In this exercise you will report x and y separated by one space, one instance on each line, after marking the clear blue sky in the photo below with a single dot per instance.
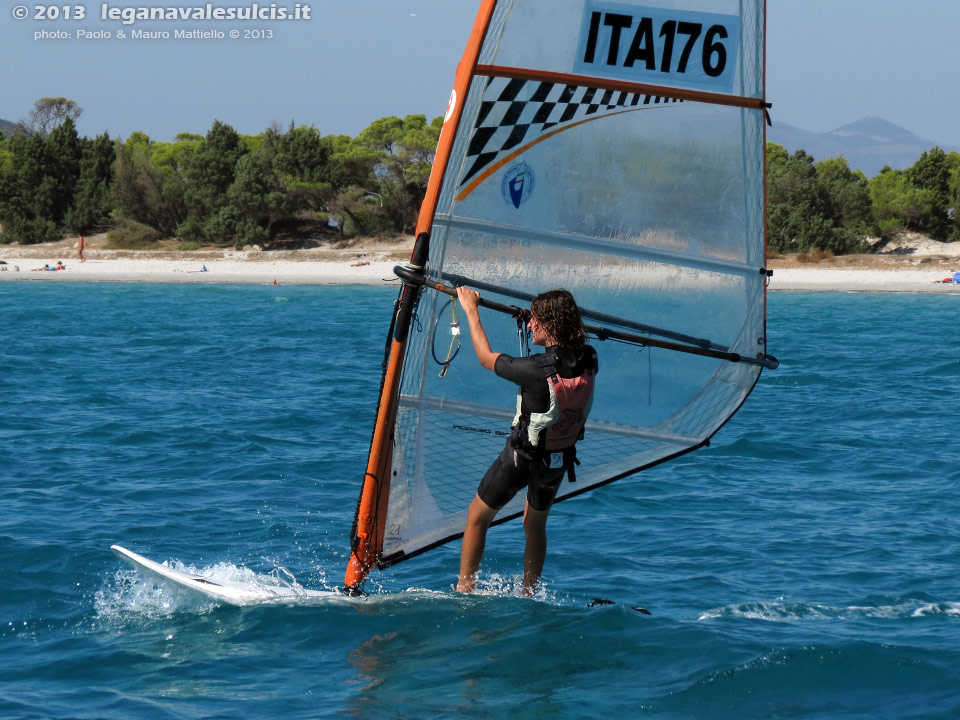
830 62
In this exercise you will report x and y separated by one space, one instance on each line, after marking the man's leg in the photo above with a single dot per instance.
479 517
535 551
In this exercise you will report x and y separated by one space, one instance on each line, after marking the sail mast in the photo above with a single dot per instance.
370 519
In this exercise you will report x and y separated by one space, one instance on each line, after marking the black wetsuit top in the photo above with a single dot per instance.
528 374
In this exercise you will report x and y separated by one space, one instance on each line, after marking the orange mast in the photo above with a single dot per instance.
370 521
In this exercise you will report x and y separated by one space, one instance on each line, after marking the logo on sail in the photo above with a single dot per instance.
517 184
451 105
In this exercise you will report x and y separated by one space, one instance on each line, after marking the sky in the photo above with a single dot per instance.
829 63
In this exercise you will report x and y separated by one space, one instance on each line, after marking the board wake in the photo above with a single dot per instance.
247 594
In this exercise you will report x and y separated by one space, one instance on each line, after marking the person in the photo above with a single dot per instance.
554 398
79 247
59 266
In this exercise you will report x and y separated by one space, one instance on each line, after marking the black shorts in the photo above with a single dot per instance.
510 473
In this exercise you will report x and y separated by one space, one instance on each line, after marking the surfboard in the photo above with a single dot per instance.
222 590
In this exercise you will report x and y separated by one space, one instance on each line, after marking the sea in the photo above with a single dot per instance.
805 565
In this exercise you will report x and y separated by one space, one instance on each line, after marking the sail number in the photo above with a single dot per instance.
674 47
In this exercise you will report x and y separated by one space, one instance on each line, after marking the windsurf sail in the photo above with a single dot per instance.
615 149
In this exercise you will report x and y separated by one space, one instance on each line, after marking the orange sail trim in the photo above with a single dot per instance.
371 515
372 511
764 89
608 84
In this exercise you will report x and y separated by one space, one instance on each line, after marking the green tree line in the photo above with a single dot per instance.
222 189
825 205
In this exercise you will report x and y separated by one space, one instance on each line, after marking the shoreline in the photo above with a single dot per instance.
230 272
372 263
847 280
368 263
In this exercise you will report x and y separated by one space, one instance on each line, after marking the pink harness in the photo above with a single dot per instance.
573 398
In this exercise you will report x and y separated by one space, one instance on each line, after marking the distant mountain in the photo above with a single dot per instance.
5 125
867 144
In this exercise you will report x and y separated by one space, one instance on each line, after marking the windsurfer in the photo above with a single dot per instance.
556 390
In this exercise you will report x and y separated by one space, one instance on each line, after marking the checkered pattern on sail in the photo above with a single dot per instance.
513 112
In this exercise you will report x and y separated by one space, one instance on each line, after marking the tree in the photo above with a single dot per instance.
169 161
931 175
405 154
351 163
211 168
301 159
47 114
849 195
209 172
63 151
382 135
352 212
814 205
255 201
38 183
897 203
304 154
149 184
953 162
93 196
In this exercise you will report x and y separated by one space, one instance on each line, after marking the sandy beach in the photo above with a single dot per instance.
369 262
912 264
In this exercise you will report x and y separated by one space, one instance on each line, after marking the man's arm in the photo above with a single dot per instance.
468 300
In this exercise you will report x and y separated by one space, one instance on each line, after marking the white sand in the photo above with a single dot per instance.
908 267
368 264
908 263
817 279
183 271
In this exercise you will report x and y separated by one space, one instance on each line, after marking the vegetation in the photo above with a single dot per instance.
132 235
827 206
222 189
227 189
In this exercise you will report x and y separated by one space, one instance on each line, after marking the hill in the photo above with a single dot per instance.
5 125
867 144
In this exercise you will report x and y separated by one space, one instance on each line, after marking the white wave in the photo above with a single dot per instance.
951 609
783 611
131 593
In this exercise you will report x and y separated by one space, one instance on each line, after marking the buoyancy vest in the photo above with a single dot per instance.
558 429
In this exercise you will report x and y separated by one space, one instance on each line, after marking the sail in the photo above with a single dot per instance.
615 149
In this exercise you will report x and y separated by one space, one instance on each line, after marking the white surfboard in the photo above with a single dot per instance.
248 594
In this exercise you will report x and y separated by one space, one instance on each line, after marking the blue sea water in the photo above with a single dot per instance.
803 566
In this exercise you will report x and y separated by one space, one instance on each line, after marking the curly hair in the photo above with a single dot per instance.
558 311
